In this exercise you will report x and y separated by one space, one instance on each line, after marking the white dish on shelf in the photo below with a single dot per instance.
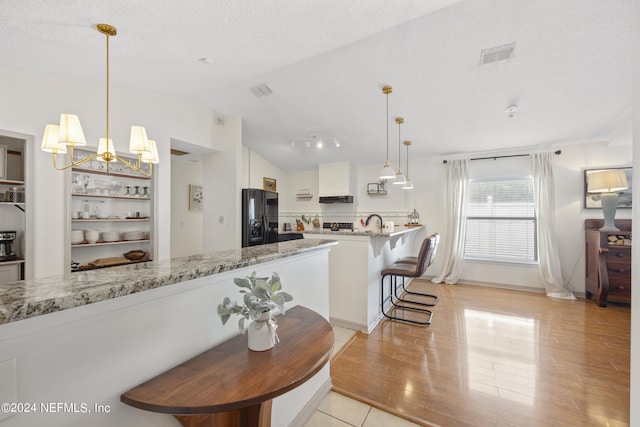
133 235
77 236
110 236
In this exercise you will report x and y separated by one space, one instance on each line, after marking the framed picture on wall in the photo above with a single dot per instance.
195 197
592 200
269 184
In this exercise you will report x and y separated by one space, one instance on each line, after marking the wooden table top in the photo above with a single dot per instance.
229 376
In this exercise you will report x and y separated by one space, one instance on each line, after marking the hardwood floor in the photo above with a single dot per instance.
495 357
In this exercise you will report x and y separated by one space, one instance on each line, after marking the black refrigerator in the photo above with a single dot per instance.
259 217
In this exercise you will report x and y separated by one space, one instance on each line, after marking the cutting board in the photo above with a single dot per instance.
105 262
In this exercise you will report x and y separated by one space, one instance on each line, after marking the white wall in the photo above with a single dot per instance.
222 177
38 99
186 225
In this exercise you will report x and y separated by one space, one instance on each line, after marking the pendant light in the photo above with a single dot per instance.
69 134
387 171
399 179
408 185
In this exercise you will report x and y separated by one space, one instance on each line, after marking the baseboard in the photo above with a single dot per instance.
347 324
307 411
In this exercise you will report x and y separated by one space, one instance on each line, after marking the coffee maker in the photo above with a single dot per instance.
6 245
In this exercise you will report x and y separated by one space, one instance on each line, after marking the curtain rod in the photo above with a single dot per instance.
502 157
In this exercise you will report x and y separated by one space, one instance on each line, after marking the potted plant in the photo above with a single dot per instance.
262 299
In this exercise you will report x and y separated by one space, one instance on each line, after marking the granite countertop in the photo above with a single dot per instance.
31 298
365 233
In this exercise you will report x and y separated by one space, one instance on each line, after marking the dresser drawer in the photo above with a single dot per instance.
619 254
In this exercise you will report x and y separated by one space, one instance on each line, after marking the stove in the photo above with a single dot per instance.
337 226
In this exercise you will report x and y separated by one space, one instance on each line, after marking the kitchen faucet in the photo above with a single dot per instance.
369 219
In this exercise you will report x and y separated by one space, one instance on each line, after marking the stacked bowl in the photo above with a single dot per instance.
133 235
110 236
77 236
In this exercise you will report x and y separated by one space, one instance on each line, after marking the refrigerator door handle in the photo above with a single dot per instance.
265 229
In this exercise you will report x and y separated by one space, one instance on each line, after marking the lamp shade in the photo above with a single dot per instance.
139 143
399 179
408 185
50 142
608 181
387 171
70 131
104 147
151 157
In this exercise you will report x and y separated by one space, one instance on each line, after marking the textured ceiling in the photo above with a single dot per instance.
326 61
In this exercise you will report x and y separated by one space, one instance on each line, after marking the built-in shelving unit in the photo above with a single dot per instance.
12 205
117 202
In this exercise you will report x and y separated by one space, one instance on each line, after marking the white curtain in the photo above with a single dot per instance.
544 198
455 206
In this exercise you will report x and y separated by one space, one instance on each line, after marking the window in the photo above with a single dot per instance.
501 221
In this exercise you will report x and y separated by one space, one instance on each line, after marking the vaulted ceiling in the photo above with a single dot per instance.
326 62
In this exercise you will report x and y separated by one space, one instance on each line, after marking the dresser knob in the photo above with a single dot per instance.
621 270
621 288
619 254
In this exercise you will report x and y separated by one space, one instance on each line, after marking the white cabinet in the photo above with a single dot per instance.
336 179
117 208
10 272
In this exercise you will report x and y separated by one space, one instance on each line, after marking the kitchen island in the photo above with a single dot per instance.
70 346
354 270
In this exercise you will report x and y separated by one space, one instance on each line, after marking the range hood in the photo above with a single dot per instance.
335 199
336 182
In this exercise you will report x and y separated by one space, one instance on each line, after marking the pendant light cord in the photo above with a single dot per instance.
387 127
399 143
107 110
407 161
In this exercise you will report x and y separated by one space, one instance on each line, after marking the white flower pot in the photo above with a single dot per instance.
262 335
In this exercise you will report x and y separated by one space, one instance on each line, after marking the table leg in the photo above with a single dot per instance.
252 416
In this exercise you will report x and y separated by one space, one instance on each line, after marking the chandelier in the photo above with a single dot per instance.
69 133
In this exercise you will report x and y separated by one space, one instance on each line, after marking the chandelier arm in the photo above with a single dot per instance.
73 163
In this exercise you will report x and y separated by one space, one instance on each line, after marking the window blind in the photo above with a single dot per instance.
501 222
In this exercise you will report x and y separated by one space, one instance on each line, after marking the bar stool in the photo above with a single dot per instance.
423 260
414 260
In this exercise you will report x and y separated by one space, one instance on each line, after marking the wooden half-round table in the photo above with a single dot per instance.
230 385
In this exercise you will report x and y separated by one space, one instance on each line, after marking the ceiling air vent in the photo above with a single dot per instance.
261 90
495 54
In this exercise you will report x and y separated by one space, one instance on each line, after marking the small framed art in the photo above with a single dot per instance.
195 197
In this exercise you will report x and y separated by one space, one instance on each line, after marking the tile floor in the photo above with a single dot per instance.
337 410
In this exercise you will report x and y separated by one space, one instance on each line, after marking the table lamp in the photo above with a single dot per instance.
607 183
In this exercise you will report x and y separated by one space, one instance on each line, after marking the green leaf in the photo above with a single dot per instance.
242 282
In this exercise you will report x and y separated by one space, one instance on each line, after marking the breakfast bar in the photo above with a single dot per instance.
74 344
355 266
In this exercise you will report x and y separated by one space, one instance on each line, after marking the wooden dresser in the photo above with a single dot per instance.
608 261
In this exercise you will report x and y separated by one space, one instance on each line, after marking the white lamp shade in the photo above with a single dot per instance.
153 156
50 140
103 147
608 181
399 179
70 131
139 143
387 172
408 185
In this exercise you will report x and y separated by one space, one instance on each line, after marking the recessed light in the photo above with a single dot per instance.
207 61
